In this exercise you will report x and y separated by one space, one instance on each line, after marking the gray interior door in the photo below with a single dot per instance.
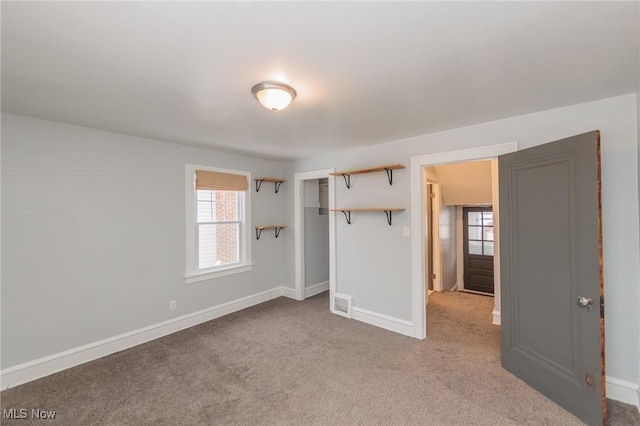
551 272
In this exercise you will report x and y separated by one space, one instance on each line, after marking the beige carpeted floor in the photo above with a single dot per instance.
288 362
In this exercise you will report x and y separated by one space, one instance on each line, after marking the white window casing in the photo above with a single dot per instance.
194 270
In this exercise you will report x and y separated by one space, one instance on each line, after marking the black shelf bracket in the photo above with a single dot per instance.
389 175
388 213
347 180
277 230
347 177
259 185
347 215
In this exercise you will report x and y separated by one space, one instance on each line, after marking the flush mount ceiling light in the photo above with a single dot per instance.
273 96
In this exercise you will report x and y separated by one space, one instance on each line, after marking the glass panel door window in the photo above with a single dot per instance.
480 232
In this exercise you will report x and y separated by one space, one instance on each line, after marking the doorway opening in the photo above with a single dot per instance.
420 168
459 237
314 246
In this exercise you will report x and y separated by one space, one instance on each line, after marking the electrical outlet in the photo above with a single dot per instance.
406 231
172 305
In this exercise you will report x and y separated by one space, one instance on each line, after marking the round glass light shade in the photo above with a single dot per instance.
273 96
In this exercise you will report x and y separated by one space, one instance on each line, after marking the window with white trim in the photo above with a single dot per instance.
218 206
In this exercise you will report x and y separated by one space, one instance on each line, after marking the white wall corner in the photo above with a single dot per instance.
36 369
623 391
496 317
317 288
289 292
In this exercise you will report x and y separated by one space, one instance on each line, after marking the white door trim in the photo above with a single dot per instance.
299 230
418 163
437 238
495 205
437 252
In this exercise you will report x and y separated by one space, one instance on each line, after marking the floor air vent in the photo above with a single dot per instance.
342 305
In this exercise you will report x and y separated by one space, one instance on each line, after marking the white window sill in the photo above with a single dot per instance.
204 276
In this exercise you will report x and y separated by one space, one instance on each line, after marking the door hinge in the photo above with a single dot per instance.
601 306
433 276
433 195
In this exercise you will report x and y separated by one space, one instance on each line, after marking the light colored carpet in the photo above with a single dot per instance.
288 362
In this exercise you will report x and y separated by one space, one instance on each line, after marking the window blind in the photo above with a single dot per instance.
217 181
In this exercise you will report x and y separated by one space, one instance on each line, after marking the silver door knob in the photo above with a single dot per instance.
585 301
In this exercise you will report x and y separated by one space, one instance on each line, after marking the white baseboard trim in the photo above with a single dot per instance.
623 391
32 370
316 289
496 317
289 292
384 321
617 389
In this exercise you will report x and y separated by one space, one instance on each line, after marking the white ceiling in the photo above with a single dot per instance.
365 72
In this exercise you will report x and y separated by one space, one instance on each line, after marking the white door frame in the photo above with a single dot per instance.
437 252
299 229
418 249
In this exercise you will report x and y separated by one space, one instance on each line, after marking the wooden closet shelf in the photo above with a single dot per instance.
376 209
387 210
389 168
276 181
369 170
277 229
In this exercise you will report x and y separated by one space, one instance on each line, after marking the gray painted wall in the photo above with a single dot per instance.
316 236
638 147
374 259
316 247
638 122
93 235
